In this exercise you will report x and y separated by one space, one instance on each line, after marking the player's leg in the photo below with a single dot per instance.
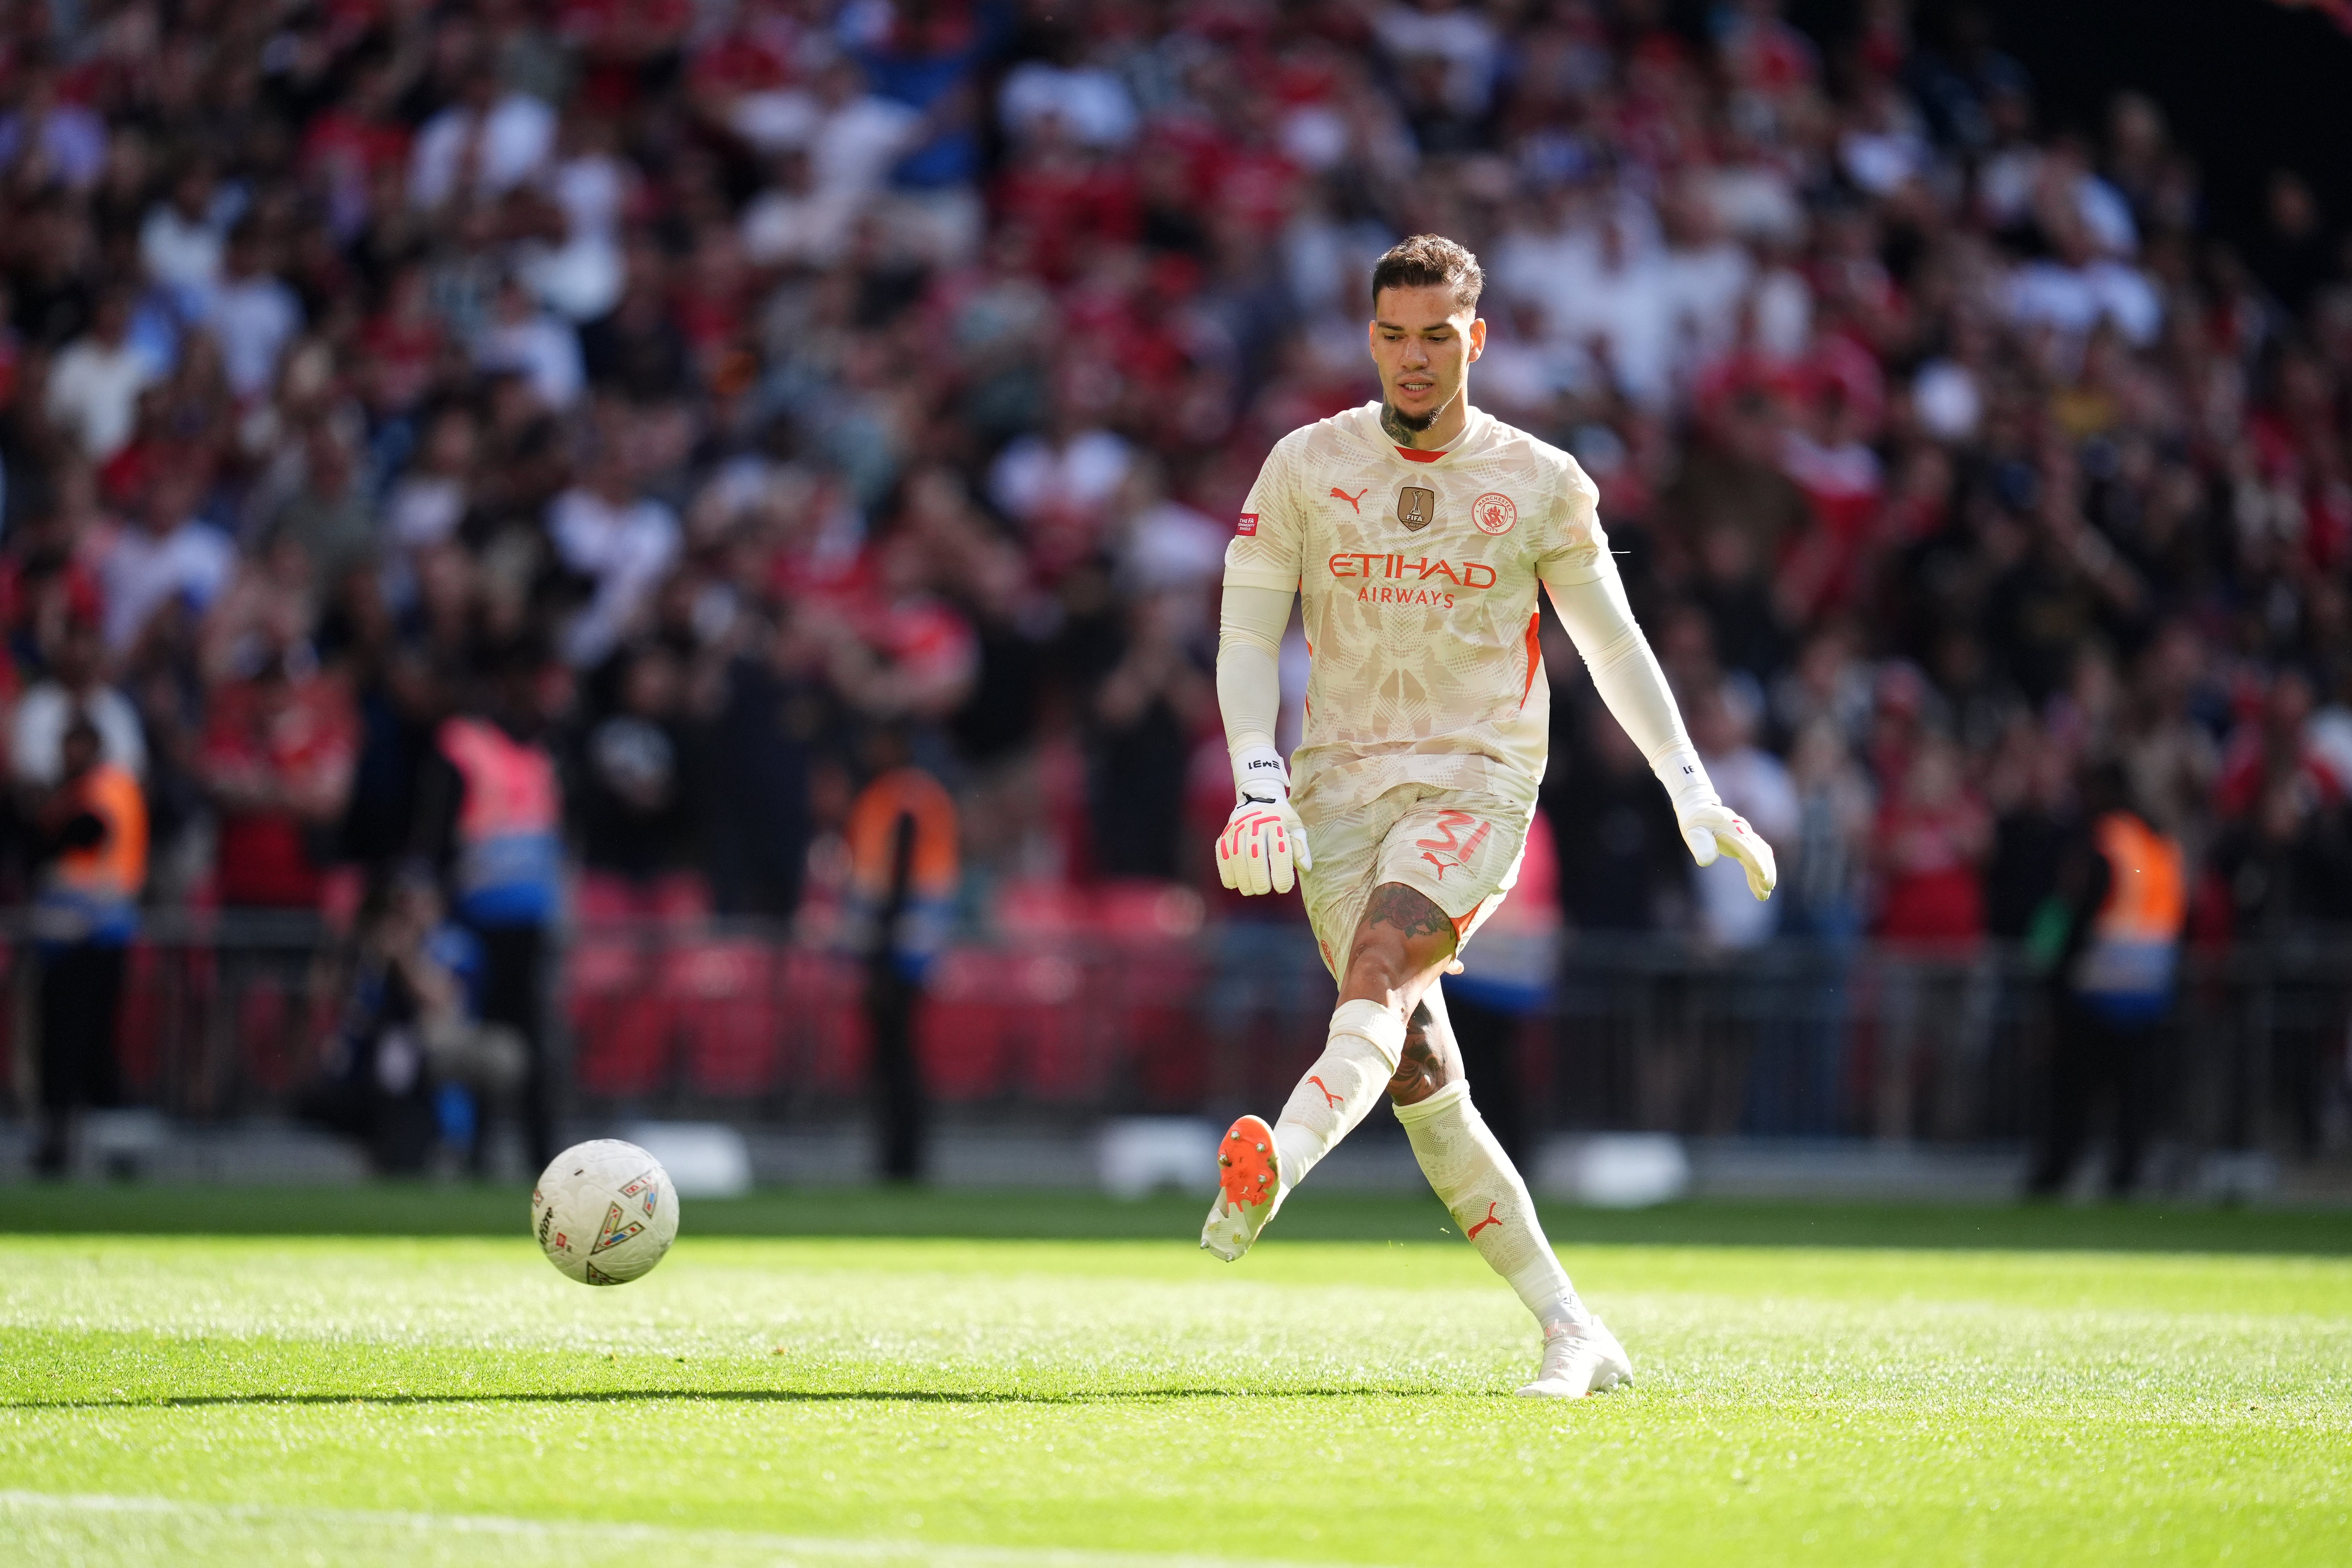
1482 1189
1402 942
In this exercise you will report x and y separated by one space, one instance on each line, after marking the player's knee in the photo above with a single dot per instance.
1377 966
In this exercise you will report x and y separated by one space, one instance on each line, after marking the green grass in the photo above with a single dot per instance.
1009 1378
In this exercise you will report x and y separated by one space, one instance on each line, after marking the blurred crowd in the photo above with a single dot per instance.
723 401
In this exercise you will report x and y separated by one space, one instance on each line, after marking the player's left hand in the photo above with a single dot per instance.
1713 828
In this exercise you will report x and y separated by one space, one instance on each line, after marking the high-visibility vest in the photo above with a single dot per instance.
509 848
924 921
2128 967
92 892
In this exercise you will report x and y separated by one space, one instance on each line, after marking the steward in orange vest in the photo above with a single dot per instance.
95 826
2125 892
97 823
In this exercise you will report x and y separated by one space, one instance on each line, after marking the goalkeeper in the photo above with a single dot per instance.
1415 530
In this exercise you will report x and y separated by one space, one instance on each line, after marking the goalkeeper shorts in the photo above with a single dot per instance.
1459 848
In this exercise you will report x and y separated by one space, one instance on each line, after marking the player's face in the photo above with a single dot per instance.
1424 344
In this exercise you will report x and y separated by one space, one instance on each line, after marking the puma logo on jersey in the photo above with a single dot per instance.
1356 501
1446 851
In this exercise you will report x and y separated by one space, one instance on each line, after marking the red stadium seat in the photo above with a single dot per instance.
620 1047
720 999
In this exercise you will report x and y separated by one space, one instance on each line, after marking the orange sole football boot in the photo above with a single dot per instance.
1249 1188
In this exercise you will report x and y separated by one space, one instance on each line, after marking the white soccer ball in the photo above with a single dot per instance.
605 1211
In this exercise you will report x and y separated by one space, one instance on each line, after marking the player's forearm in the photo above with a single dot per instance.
1249 675
1625 673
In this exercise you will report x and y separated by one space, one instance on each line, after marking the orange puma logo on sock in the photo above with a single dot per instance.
1330 1099
1491 1218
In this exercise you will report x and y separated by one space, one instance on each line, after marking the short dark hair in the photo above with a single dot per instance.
1427 259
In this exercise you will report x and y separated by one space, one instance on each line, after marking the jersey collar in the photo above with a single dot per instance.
1477 430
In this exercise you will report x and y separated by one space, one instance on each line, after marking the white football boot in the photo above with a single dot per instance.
1249 1188
1577 1361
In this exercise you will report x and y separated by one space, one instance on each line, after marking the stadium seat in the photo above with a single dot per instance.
719 998
616 1020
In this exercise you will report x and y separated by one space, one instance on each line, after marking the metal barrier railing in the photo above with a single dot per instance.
229 1017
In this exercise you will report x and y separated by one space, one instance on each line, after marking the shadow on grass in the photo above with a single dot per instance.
416 1209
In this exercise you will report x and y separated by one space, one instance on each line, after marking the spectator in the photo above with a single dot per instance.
521 339
275 761
92 829
184 236
325 518
49 138
488 815
431 499
621 540
636 822
74 692
1931 842
484 144
2126 901
252 313
902 846
1622 866
1826 885
409 1055
1752 782
170 556
1148 704
95 385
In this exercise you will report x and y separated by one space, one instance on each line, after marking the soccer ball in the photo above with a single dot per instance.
605 1211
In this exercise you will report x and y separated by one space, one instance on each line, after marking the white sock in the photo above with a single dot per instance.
1340 1089
1482 1189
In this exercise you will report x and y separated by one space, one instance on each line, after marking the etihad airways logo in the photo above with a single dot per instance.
1410 580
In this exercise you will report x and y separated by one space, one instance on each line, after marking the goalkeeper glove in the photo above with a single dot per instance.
1710 828
1263 837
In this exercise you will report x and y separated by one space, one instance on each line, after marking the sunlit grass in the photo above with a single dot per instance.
362 1400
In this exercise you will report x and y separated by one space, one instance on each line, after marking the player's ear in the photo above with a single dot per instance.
1477 336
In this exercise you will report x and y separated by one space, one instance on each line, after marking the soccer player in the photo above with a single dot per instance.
1416 530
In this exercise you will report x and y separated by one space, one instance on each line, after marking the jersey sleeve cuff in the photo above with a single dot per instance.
1261 577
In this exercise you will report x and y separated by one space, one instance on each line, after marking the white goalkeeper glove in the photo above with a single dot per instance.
1263 840
1710 828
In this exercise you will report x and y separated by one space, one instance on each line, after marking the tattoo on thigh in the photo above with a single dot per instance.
1394 904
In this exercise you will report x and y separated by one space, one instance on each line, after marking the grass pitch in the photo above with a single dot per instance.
989 1385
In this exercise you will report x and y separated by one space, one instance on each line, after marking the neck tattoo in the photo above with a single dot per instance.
1404 431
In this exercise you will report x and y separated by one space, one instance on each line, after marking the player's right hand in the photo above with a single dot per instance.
1264 843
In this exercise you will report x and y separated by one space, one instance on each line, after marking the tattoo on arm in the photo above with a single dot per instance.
1394 904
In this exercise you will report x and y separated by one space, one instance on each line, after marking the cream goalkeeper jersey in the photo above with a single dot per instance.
1419 580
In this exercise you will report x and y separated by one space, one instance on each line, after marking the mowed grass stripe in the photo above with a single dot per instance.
71 1527
1320 1402
441 1209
